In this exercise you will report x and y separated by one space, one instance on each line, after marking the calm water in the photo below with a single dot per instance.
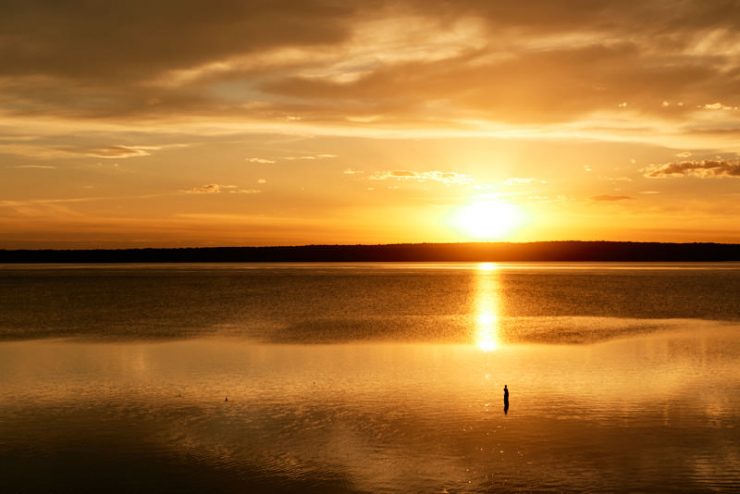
370 378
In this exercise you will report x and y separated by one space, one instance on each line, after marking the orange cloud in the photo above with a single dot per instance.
428 176
219 189
313 62
701 169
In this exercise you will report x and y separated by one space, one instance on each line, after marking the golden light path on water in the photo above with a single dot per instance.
487 307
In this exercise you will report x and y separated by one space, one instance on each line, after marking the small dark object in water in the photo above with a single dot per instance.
506 399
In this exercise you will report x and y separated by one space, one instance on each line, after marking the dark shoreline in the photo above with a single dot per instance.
593 251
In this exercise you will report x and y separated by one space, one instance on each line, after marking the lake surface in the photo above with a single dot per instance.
370 378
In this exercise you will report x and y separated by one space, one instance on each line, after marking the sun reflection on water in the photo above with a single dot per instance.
486 307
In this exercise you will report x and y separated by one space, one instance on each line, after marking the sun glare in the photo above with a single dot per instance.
488 220
486 308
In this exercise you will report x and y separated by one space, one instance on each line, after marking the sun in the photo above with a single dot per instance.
489 219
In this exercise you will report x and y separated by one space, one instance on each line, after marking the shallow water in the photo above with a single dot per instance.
327 303
372 378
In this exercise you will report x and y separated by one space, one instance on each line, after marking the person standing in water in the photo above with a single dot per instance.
506 399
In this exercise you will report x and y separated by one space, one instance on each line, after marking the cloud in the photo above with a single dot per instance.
357 65
42 39
307 157
120 152
550 84
610 198
701 169
53 207
206 189
444 177
310 157
245 191
49 148
220 189
718 106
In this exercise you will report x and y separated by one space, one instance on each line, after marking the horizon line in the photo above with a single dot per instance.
389 244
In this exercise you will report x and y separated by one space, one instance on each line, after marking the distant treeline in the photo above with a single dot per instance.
471 252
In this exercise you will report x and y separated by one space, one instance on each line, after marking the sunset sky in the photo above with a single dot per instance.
184 123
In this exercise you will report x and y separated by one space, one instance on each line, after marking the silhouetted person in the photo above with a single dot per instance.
506 399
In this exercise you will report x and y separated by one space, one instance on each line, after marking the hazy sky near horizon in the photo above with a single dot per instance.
229 122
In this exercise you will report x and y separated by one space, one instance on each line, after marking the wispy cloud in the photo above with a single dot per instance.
718 106
245 191
53 207
306 157
701 169
311 157
126 151
47 151
120 152
352 65
444 177
220 189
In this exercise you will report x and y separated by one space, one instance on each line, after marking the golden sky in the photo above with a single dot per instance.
174 123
